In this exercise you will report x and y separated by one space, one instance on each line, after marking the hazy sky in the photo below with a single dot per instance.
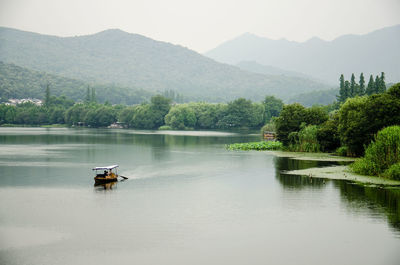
202 25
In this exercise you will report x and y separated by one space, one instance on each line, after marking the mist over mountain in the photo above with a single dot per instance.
131 60
370 53
20 82
253 66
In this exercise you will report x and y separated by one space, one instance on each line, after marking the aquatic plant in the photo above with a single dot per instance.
259 146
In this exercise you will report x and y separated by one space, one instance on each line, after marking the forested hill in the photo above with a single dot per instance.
19 82
374 52
132 60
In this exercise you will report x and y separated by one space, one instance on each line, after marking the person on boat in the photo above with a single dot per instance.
105 173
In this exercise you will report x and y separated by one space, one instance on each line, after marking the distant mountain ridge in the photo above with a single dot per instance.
371 53
132 60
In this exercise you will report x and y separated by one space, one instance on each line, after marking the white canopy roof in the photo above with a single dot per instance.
105 168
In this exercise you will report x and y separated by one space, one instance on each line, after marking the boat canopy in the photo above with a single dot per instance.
105 168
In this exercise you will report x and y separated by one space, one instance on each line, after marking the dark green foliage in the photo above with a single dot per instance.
361 118
393 172
362 85
181 117
341 151
304 140
290 119
381 154
328 136
371 86
316 115
207 114
352 89
241 113
347 89
352 125
394 91
273 107
258 146
342 92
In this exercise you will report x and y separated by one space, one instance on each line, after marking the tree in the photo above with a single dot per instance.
361 118
362 85
352 124
88 97
342 92
347 90
160 107
382 85
181 117
272 107
328 136
371 86
378 85
241 113
353 86
47 96
93 95
289 120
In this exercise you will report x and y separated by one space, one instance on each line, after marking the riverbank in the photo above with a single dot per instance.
338 172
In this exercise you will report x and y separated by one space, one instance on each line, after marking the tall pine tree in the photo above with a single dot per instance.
93 96
371 86
347 90
353 86
47 95
342 93
378 85
87 99
361 90
382 87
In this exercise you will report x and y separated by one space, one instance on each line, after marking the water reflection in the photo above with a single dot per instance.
283 164
105 186
377 202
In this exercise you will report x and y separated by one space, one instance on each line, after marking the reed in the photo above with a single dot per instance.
381 155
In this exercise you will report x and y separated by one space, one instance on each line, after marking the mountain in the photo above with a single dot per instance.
371 53
319 97
19 82
255 67
131 60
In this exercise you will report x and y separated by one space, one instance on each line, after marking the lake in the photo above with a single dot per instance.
188 200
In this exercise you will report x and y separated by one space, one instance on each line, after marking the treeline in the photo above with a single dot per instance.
347 130
240 113
350 89
160 112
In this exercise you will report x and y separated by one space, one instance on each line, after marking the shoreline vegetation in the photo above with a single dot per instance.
350 127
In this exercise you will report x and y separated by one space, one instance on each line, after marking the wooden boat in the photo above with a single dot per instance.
106 174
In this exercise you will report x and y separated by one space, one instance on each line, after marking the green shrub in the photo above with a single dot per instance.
269 127
393 172
259 146
305 140
341 151
165 127
381 154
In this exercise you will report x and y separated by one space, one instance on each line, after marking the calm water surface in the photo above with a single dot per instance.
187 201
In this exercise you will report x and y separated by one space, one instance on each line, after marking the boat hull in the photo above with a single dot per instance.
101 180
